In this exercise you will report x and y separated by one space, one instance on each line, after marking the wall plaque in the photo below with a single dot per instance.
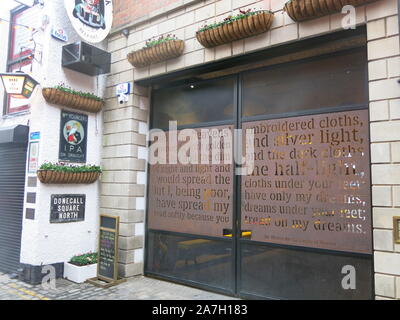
33 158
73 137
67 208
194 198
311 182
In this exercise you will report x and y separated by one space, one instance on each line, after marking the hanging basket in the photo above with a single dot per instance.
249 26
300 10
59 177
56 96
157 53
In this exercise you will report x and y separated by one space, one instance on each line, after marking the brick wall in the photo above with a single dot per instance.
384 72
126 125
126 11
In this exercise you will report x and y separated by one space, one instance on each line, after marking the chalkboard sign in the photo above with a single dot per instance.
107 268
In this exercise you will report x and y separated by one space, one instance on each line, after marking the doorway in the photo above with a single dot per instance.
299 225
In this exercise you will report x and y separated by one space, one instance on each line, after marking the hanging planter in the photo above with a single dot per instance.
246 24
300 10
157 50
68 97
62 174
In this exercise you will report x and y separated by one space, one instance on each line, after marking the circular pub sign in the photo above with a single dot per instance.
91 19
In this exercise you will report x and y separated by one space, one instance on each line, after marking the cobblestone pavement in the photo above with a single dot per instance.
138 288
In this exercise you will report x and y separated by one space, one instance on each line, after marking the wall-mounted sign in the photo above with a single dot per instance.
123 88
311 183
33 158
59 34
73 137
67 208
35 135
91 19
193 198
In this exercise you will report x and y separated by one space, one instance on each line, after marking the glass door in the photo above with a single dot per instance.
297 227
191 216
307 206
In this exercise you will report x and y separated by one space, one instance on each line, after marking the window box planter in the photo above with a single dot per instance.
250 24
300 10
59 177
72 100
157 53
79 274
60 174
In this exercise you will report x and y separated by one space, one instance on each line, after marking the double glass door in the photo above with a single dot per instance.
287 215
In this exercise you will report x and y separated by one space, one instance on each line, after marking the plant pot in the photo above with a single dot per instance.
79 274
300 10
236 30
158 53
59 177
56 96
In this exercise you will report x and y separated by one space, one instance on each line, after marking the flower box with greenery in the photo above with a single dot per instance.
60 173
245 24
81 267
66 96
300 10
157 50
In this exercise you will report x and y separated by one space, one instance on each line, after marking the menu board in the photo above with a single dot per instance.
311 182
196 197
108 249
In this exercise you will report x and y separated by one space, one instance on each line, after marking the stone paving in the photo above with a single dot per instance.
138 288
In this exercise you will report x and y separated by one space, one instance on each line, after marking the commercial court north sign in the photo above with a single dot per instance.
91 19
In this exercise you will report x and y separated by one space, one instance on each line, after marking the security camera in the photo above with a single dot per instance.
122 98
123 90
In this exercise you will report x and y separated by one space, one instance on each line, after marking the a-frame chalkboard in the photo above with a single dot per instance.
107 264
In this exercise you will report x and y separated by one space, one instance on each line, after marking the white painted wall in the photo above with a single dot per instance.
42 242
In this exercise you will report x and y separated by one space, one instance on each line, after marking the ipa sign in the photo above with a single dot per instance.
73 137
67 208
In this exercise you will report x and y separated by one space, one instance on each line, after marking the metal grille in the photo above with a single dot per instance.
12 180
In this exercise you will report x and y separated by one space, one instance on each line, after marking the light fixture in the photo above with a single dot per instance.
125 32
18 84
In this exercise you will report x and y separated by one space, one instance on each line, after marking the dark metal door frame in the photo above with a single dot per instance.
236 215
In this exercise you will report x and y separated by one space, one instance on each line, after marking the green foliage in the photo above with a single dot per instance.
61 167
84 259
243 14
155 41
64 88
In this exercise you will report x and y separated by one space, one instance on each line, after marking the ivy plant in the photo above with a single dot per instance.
242 14
65 88
61 167
84 259
155 41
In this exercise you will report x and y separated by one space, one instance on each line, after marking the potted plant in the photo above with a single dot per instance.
66 96
81 267
157 50
300 10
61 173
245 24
